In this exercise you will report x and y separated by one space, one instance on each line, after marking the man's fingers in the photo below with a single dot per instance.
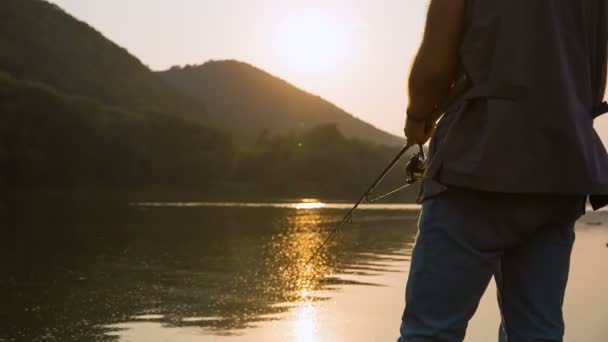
419 132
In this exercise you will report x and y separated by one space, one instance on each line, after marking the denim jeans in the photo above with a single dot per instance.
465 238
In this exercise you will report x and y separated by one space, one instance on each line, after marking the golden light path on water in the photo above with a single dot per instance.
294 283
312 205
297 276
295 279
305 204
293 248
283 205
305 325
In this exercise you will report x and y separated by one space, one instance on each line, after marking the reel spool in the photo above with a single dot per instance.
416 167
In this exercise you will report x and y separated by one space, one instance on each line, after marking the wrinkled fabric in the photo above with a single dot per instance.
526 125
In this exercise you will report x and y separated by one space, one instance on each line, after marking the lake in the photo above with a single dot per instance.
185 272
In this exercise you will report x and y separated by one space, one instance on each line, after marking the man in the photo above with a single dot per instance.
512 161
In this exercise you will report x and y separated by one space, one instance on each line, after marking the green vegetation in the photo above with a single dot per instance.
79 113
52 140
40 42
245 100
320 161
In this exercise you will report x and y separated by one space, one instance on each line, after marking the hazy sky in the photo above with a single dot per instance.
354 53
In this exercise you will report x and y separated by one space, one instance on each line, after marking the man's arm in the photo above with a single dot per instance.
435 66
437 61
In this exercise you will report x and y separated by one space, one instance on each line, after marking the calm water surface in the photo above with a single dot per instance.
148 272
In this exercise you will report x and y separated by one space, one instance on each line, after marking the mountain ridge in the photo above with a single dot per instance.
236 91
80 114
42 42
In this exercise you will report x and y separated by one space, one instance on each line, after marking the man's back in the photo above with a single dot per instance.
536 69
512 161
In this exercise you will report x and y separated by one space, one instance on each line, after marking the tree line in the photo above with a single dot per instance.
49 140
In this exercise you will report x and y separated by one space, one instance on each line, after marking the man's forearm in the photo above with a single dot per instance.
436 65
429 87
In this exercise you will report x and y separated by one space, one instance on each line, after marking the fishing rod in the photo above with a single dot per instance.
415 171
417 165
415 168
366 194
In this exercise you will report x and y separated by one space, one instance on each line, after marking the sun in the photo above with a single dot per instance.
311 42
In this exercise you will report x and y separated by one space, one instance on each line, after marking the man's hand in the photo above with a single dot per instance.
418 132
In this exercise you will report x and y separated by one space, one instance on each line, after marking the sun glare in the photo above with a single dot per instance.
310 205
311 42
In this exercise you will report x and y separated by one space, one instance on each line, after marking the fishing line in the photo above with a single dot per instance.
415 168
349 215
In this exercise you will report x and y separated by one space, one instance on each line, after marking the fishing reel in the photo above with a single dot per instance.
416 167
414 171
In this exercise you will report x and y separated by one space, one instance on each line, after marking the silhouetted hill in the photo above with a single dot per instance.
79 113
41 42
247 100
52 140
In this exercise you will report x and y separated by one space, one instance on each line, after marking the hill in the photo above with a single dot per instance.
41 42
51 140
79 113
246 101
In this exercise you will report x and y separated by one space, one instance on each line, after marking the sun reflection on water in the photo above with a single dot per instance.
294 276
311 205
305 327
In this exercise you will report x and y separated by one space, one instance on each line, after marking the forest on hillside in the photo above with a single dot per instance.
41 42
50 140
80 114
